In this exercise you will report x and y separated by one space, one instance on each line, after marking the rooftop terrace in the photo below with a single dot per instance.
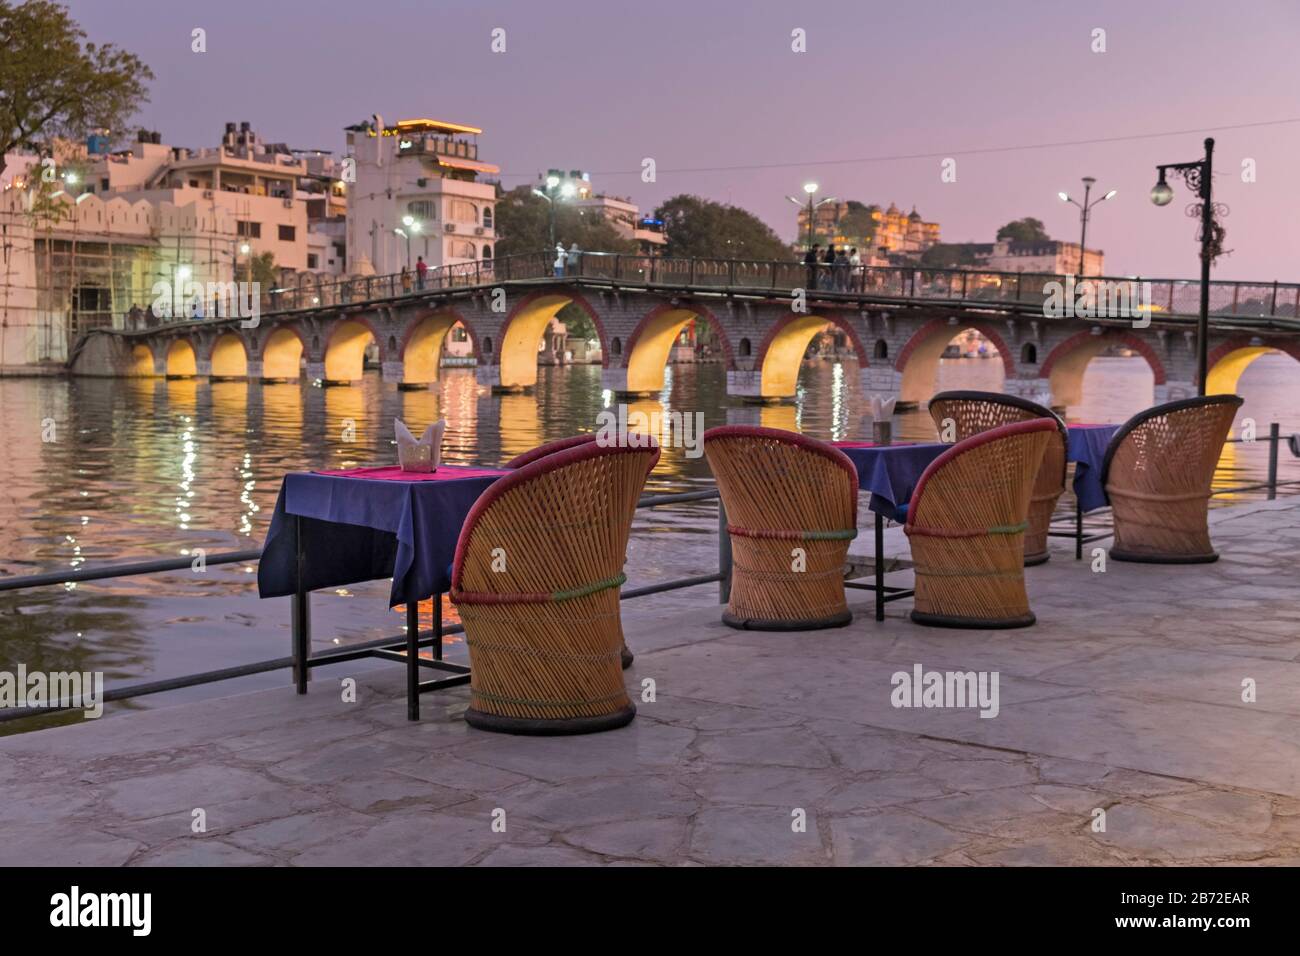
1126 697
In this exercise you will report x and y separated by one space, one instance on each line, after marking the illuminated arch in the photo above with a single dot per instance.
421 350
780 355
918 360
345 350
1229 360
282 355
142 363
652 342
181 360
524 329
229 357
1065 364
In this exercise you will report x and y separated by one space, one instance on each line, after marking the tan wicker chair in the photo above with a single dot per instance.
536 579
975 412
1157 474
784 491
966 523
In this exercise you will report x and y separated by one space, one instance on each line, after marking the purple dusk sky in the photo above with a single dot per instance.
598 85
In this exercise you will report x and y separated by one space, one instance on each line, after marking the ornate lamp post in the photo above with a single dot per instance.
1198 176
811 190
1085 212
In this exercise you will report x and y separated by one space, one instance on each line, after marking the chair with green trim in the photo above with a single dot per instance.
1158 472
966 523
536 579
973 412
792 509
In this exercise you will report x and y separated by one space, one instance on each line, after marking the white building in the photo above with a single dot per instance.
417 194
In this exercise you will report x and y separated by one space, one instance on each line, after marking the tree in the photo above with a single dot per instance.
1024 230
949 255
523 225
858 224
707 229
264 271
52 84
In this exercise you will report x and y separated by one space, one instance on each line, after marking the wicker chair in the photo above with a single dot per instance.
536 579
550 448
784 491
975 412
1157 474
966 523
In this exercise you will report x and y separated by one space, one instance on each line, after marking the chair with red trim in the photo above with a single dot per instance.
1158 472
966 523
550 448
536 579
792 509
973 412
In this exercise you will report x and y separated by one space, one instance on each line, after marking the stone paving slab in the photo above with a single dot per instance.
754 748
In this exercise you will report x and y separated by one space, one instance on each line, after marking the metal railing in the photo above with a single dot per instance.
1234 302
353 651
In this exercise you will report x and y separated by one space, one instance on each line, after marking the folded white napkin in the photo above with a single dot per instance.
421 455
882 409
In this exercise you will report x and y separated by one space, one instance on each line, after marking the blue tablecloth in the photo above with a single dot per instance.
1087 450
890 472
360 529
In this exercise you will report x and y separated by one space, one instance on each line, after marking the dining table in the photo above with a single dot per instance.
340 527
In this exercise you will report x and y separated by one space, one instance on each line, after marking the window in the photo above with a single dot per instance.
249 230
463 211
458 334
461 249
487 252
882 349
423 209
287 233
1029 354
487 218
744 346
311 260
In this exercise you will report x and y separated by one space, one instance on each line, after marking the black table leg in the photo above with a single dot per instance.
412 660
879 562
300 613
437 626
1078 530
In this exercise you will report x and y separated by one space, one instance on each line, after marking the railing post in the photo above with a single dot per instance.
690 281
1272 309
1019 278
724 554
618 265
1274 439
731 273
964 276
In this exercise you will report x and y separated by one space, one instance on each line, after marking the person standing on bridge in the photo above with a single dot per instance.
841 270
559 260
575 259
828 260
810 262
421 267
406 279
855 269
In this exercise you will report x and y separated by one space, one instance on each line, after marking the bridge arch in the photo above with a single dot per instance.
229 357
652 341
1065 364
523 330
918 360
181 360
1227 361
282 354
142 361
345 350
780 354
421 347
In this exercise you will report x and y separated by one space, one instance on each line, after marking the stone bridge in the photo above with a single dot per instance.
897 321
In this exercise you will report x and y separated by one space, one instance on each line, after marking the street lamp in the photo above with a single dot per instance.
811 189
246 250
1085 212
552 182
1198 176
413 227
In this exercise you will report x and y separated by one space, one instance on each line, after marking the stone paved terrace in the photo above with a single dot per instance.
1126 697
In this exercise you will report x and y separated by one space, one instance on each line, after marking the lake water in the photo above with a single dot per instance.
146 469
